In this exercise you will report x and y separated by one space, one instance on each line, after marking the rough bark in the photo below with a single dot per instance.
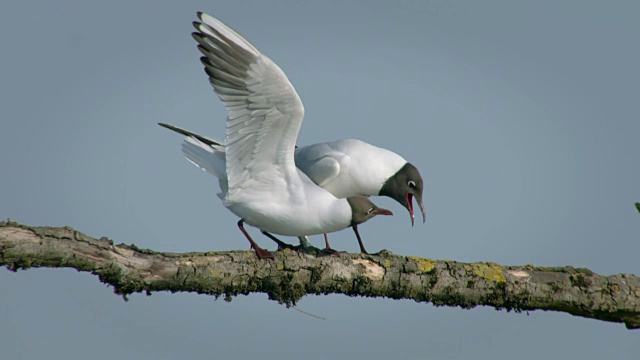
293 274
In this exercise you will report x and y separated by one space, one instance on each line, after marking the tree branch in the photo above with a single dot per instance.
293 274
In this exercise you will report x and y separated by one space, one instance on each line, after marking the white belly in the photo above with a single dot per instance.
296 209
293 219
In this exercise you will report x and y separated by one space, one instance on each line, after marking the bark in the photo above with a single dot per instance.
293 274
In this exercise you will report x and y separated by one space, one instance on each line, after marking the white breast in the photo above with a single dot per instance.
307 210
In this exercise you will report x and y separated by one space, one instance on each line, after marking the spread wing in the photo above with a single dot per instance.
265 112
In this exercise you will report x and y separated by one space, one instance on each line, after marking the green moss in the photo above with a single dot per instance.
554 286
579 280
451 297
424 265
284 292
584 271
613 288
488 271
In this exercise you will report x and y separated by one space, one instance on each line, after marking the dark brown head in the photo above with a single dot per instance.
363 209
403 186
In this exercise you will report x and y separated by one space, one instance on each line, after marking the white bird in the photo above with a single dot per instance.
258 179
348 168
355 168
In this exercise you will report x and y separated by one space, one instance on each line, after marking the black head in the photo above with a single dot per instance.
403 186
364 209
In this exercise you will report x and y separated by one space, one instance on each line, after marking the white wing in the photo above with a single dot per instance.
319 162
265 112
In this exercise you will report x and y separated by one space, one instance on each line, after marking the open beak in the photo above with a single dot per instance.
383 212
410 207
424 215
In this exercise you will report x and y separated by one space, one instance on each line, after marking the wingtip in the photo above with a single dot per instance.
197 36
167 126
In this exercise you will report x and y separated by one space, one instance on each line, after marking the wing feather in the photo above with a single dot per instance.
265 112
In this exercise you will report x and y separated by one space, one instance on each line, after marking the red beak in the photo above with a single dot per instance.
410 206
383 212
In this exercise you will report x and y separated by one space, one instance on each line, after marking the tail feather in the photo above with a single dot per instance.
208 159
204 157
207 154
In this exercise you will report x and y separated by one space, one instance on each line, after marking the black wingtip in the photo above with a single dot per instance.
199 14
177 129
198 37
167 126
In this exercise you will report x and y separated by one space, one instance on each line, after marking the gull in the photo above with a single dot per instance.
352 167
345 168
256 170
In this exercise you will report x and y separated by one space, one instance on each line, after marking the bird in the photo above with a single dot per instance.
255 167
347 168
352 167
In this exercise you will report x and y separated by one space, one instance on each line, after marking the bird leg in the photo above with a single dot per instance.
260 252
281 244
328 250
304 242
362 250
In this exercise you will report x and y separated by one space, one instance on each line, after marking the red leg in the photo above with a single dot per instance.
326 242
260 252
362 250
328 250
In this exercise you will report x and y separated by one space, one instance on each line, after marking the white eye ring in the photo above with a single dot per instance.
411 184
369 211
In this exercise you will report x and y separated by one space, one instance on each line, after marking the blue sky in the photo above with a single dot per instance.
522 118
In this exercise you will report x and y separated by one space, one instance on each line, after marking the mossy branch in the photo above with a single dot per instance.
293 274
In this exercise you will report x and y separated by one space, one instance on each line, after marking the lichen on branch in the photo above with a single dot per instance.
293 274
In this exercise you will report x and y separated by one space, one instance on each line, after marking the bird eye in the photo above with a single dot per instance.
369 211
411 184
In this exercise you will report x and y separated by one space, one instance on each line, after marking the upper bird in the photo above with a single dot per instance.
353 167
258 179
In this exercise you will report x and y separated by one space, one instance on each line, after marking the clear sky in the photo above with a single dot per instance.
522 118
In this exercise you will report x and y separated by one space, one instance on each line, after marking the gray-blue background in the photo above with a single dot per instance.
521 117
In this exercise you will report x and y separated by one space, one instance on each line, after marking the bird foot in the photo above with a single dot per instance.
262 253
284 245
329 252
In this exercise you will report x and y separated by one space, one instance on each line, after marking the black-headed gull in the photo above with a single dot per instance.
355 168
352 167
258 179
